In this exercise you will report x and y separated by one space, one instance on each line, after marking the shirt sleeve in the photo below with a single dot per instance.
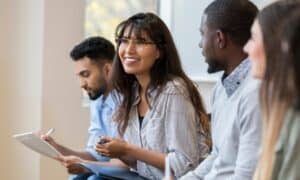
290 164
250 125
203 168
184 141
95 130
206 165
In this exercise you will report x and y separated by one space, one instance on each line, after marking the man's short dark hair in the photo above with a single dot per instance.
233 17
95 48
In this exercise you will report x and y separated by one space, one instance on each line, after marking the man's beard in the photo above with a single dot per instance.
97 93
213 66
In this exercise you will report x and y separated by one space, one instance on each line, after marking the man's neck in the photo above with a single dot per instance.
233 61
105 94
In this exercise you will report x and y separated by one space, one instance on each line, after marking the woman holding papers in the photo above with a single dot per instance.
161 111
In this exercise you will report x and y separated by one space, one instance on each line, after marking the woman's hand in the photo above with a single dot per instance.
112 147
129 153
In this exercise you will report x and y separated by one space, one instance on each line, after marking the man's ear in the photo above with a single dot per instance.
221 39
107 67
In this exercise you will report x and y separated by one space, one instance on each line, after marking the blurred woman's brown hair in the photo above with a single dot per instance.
279 88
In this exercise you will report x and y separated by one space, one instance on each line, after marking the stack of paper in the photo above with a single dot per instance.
35 143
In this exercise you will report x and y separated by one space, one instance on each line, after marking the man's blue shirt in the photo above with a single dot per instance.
101 123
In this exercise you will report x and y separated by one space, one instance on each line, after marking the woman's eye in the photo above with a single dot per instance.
140 41
124 41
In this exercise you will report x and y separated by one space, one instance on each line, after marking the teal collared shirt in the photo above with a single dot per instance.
287 150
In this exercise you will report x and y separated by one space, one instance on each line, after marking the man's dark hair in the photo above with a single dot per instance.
233 17
95 48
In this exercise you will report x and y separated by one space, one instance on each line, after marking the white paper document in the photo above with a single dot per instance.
35 143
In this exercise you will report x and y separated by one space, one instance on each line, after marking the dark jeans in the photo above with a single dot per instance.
109 173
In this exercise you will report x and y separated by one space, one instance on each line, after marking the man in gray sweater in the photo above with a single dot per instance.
235 117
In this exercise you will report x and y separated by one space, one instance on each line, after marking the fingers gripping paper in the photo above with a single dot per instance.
35 143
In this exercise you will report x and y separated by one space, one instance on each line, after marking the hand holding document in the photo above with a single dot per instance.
37 144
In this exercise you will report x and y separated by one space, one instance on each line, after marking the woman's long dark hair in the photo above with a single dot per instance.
278 85
290 46
166 68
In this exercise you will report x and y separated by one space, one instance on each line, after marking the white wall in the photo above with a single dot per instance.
20 97
61 100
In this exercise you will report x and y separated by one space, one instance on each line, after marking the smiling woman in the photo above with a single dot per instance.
161 111
138 54
102 17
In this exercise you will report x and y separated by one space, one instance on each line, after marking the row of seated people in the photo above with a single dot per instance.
145 108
